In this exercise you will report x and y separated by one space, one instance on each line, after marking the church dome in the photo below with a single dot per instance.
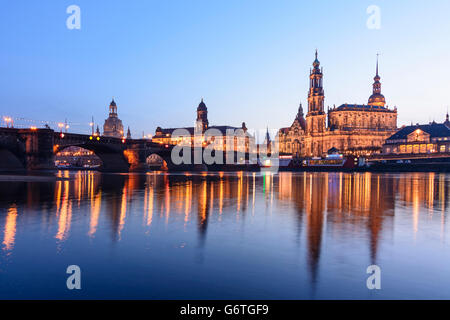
377 99
113 103
202 106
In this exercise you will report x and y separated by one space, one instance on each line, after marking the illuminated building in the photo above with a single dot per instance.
433 138
351 128
113 126
216 134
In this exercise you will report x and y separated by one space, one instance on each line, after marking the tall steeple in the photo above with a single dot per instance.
447 121
202 117
316 93
128 133
377 99
315 119
300 111
267 138
300 117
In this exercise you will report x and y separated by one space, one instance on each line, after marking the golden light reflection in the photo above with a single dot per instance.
221 196
188 202
123 209
150 206
253 193
10 228
167 203
64 214
95 213
203 202
331 203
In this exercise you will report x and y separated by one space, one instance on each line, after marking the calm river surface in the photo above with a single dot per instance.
225 235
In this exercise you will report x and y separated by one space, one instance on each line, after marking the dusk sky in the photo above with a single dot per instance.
249 60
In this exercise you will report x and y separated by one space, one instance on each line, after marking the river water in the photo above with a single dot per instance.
225 235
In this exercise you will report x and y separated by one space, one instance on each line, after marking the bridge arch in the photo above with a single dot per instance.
10 160
77 156
155 162
111 157
12 152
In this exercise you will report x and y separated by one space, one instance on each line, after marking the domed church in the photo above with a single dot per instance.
113 126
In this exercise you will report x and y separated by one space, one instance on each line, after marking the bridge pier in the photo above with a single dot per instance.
39 149
136 157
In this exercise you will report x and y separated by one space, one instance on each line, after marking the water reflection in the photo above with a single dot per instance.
360 205
10 228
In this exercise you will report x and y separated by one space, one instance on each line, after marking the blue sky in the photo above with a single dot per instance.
249 60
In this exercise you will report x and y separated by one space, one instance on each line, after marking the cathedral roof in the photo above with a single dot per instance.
359 107
377 98
222 129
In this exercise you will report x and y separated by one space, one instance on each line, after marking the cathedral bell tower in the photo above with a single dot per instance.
377 99
202 117
316 117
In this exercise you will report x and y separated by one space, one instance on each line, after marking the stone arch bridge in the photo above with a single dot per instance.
35 149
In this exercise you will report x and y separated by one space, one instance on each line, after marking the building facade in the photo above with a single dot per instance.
429 139
207 135
359 129
291 139
113 126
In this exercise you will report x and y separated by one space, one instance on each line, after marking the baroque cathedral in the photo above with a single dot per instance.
350 128
113 126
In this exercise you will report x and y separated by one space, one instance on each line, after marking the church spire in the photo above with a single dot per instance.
316 94
377 64
300 112
447 120
377 99
267 139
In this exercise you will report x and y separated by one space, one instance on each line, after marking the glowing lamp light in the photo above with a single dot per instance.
98 138
90 138
62 135
123 140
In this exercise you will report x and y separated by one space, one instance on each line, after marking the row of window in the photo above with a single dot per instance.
419 148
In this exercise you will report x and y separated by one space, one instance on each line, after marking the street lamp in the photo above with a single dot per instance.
8 121
60 126
92 125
